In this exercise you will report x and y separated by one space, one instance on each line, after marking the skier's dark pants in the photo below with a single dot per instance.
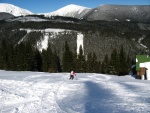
71 77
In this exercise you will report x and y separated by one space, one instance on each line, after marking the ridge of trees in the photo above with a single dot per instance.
25 57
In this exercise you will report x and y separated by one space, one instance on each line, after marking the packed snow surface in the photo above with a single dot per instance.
37 92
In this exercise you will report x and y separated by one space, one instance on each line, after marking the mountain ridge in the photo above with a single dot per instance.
14 10
100 35
106 12
71 10
138 13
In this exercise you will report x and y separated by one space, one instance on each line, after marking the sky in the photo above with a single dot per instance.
45 6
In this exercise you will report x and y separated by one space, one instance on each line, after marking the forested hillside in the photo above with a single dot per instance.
109 47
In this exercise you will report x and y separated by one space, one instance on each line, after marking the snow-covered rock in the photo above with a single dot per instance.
70 11
14 10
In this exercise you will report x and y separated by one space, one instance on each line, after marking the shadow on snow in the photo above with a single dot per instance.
102 100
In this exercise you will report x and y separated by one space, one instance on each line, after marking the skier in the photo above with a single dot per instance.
72 74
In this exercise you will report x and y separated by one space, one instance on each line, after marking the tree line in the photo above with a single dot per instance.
26 57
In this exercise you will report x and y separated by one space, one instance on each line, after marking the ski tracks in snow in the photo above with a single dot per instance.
55 93
129 99
68 96
32 95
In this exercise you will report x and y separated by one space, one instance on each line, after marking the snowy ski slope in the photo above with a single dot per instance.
37 92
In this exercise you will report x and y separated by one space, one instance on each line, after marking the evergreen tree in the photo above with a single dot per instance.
89 62
37 61
11 63
114 62
95 64
81 61
24 57
75 59
48 61
4 55
20 57
105 65
29 51
44 61
51 59
122 62
100 66
58 64
67 60
103 68
128 64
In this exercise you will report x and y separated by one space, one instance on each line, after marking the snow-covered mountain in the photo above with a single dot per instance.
70 11
14 10
139 13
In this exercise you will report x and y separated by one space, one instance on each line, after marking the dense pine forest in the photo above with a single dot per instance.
25 57
109 47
